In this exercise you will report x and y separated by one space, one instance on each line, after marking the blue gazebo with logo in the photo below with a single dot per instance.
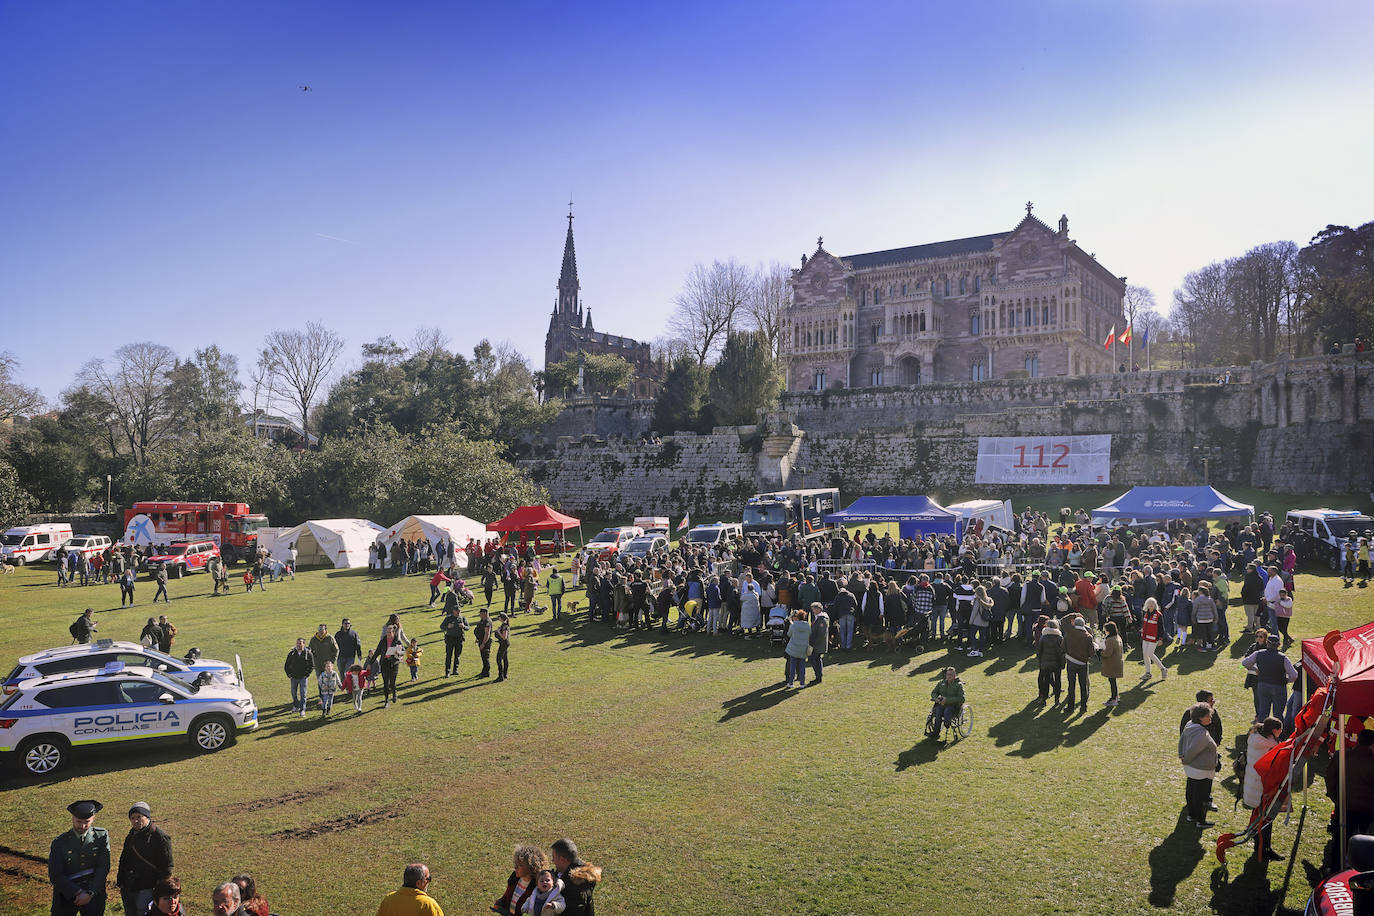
914 515
1158 504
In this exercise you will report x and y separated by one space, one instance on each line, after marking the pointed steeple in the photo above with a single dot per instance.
568 287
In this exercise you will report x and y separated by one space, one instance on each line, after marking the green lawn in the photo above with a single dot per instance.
674 761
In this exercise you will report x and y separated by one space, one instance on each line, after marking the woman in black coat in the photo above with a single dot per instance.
871 609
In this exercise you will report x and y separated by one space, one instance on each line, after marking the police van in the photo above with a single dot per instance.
45 718
1320 534
64 659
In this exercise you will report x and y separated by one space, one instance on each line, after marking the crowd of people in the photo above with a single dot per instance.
559 883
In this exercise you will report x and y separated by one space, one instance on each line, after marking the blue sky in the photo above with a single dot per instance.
163 178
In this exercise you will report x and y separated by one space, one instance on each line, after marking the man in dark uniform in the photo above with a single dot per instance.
482 633
455 629
79 864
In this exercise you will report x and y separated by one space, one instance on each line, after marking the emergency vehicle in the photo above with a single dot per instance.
231 526
45 718
791 512
98 654
1321 534
181 559
33 543
609 541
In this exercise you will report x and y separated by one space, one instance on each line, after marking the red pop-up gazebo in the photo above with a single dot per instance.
536 520
1351 655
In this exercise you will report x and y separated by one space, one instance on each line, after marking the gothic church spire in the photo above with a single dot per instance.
568 287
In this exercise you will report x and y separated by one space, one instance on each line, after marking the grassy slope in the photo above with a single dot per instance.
674 761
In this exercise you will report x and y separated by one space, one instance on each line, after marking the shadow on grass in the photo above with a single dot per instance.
923 751
1037 733
755 700
1173 860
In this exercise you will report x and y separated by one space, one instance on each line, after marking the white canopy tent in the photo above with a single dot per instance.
451 529
338 542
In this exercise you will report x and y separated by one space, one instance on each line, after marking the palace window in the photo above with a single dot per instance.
1033 365
1045 314
875 378
961 286
932 287
978 371
974 323
820 380
903 289
946 286
978 284
877 295
877 332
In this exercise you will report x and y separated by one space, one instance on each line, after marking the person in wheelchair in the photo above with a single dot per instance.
949 700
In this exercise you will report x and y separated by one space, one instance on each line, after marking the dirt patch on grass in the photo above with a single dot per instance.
336 824
299 795
23 879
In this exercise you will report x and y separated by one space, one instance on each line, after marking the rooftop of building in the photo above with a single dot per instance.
972 245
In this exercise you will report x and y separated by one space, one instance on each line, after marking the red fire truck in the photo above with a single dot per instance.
230 525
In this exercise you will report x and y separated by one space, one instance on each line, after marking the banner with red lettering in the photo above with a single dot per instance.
1045 459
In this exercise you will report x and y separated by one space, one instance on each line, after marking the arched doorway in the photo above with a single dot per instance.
909 370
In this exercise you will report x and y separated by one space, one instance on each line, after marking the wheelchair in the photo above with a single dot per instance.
961 726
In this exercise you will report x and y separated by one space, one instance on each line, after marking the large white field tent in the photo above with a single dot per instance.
451 529
337 542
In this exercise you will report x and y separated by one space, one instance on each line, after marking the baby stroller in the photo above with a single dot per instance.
465 596
777 624
915 634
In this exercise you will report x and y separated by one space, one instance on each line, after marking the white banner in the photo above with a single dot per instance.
1044 459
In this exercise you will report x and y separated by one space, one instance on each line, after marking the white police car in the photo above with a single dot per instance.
46 717
100 653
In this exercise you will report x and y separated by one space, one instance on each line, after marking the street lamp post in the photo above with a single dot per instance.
109 480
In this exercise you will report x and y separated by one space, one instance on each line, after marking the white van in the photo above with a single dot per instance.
33 543
653 524
713 534
88 544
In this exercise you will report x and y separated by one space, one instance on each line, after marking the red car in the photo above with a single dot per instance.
180 559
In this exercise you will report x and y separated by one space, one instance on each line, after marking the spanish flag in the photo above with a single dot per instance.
1125 338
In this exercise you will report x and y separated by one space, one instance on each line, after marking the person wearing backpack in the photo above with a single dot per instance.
84 627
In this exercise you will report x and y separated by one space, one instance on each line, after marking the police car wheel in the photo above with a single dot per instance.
212 733
43 754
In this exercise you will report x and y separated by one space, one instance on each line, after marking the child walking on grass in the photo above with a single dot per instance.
355 682
328 682
413 653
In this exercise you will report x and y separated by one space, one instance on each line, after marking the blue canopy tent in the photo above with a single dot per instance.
914 515
1168 503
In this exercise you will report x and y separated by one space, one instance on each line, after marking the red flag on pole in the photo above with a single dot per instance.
1111 335
1125 338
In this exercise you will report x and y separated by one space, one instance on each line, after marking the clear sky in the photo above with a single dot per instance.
163 177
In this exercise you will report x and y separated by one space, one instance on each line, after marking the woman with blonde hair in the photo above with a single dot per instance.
529 862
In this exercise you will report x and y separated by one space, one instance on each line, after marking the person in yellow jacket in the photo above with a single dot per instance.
412 899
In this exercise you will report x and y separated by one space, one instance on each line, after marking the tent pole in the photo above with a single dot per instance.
1302 673
1340 736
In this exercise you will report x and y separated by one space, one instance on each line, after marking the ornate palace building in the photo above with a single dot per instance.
1024 303
571 331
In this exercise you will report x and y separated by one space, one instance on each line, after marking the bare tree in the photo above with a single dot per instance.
772 294
1138 299
429 342
705 311
136 386
1201 307
301 362
16 400
262 387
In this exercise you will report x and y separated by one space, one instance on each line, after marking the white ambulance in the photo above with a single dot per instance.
33 543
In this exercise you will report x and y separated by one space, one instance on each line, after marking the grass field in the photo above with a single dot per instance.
676 762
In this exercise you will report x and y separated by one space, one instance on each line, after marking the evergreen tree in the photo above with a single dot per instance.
746 379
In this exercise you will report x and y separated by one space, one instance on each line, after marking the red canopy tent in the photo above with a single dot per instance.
536 520
1356 653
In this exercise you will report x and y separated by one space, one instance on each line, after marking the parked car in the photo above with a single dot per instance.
88 544
1320 534
608 541
64 659
643 546
46 718
181 559
713 534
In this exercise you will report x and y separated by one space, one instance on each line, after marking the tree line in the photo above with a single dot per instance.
413 428
1278 298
